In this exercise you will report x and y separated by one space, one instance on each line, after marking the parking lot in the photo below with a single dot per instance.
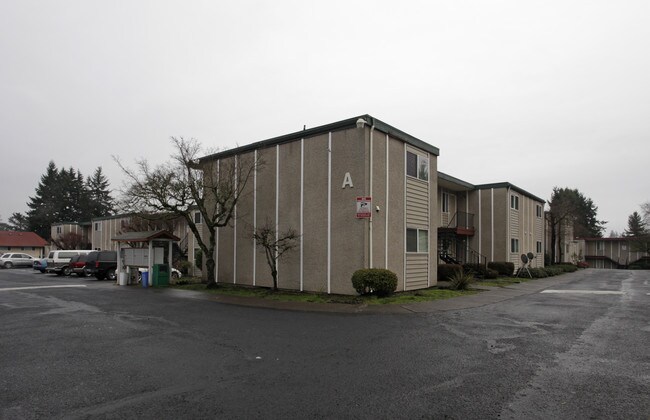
82 348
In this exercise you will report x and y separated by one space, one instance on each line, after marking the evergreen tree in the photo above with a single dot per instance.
19 222
635 226
101 203
569 208
43 207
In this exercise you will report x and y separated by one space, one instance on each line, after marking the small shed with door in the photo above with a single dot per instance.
143 250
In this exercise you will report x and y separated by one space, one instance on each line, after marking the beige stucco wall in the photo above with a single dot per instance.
335 243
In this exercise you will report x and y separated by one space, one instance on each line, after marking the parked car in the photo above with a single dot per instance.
40 264
78 265
15 259
58 262
101 264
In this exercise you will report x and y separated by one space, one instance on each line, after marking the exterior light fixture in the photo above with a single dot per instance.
361 123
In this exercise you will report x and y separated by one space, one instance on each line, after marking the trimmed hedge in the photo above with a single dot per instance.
567 268
446 271
377 281
504 268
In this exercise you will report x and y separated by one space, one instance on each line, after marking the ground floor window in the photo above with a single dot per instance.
514 245
539 247
417 240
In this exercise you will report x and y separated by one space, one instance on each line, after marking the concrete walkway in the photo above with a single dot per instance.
487 296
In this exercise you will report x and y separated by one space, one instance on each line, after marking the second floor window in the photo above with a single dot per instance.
197 217
417 166
445 202
539 211
514 202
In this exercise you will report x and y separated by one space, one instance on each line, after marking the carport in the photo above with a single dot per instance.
149 252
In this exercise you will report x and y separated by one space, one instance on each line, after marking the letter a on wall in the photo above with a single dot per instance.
347 181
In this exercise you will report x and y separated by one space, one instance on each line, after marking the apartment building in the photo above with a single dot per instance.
359 192
489 222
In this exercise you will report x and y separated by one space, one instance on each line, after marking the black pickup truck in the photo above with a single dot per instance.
102 264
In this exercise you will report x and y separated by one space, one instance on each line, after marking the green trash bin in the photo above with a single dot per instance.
160 275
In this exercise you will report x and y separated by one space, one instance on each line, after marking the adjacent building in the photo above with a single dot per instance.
24 242
489 222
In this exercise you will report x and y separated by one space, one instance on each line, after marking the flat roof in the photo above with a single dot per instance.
335 126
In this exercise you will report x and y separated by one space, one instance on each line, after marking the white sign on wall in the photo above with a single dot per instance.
364 207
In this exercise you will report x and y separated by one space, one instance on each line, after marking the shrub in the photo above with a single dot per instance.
567 268
553 270
379 281
460 280
445 271
583 264
491 274
478 270
504 268
537 272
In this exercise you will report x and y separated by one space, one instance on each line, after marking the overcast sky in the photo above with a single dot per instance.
536 93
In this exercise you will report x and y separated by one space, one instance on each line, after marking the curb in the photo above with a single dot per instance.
489 295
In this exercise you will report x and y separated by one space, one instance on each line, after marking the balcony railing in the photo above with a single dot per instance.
462 220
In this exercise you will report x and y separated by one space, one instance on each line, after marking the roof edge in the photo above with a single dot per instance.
335 126
511 186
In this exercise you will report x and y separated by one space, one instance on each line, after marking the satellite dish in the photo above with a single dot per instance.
530 256
524 258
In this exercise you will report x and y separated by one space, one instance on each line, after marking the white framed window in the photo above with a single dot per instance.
417 166
197 217
539 247
445 202
58 229
514 202
417 240
514 245
98 227
539 211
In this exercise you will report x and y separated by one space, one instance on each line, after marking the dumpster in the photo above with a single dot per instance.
145 278
160 275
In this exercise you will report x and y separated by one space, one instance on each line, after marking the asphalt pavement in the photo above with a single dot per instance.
573 346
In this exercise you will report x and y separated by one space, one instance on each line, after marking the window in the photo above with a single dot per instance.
514 202
197 217
417 166
417 240
98 227
539 211
445 202
539 247
514 245
58 229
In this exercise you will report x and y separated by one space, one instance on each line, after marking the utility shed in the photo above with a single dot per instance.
361 194
141 250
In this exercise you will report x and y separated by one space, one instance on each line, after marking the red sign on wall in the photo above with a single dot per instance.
364 207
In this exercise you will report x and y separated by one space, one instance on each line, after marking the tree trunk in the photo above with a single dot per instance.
210 265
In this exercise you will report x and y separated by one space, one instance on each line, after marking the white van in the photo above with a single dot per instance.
58 261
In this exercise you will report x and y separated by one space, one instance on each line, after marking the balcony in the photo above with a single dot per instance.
461 224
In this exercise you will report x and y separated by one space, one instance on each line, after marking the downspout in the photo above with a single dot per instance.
372 129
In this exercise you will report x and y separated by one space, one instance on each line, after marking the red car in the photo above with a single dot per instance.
78 265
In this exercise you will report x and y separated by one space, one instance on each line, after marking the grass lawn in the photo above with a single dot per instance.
423 295
503 281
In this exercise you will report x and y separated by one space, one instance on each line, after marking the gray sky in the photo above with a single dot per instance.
540 94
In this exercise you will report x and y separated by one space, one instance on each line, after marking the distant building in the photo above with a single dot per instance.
24 242
610 252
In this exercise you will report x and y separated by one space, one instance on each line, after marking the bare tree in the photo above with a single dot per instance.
275 245
69 240
184 185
